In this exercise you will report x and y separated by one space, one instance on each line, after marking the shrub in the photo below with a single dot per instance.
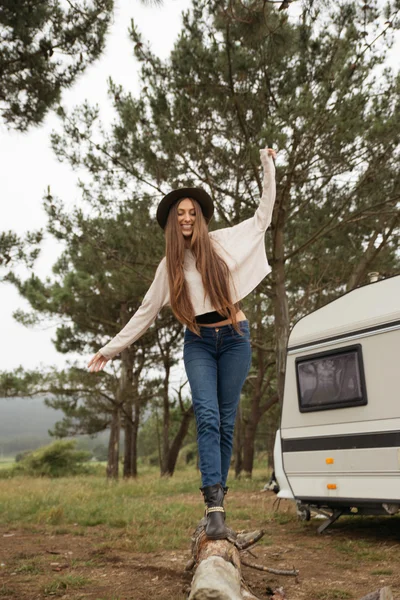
58 459
21 455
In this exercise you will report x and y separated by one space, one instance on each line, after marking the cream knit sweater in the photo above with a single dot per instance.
241 246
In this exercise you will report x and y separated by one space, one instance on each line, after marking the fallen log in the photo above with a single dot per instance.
382 594
218 563
218 568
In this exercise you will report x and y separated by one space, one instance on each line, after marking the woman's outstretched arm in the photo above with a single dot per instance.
156 297
231 238
263 214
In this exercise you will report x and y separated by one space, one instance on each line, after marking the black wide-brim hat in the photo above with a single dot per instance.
204 199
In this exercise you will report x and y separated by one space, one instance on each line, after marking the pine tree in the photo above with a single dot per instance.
45 45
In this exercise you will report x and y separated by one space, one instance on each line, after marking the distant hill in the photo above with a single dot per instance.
24 425
19 416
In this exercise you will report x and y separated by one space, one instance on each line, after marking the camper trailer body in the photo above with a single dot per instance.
339 442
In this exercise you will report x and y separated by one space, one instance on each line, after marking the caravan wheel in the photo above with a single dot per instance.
303 512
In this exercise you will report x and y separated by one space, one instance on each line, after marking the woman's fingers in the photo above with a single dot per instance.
100 364
94 359
97 363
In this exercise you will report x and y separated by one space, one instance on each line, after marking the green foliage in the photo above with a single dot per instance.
44 47
14 249
59 459
21 455
20 382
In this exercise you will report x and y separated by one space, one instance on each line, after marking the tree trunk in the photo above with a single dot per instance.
113 445
165 429
248 445
279 297
362 266
250 431
262 366
128 442
217 577
167 345
178 441
133 407
281 312
158 439
125 394
270 449
135 432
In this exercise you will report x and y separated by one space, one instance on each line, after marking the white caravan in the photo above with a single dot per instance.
338 447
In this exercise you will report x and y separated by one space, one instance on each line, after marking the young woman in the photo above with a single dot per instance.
203 276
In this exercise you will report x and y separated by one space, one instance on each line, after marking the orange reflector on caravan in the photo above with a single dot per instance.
329 461
331 486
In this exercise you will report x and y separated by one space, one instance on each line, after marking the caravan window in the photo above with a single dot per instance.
333 379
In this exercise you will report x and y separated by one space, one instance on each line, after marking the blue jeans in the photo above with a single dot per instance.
217 364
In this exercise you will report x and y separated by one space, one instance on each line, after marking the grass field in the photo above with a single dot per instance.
149 507
86 538
6 462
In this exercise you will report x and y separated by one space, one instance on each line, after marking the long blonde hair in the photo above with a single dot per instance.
212 268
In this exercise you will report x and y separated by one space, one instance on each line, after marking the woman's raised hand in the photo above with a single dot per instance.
97 363
267 152
271 152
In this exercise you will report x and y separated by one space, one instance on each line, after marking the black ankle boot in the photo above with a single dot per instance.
214 499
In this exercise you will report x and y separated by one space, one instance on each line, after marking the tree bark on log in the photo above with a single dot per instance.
218 574
382 594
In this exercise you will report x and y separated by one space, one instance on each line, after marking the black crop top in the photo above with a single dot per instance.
209 318
214 316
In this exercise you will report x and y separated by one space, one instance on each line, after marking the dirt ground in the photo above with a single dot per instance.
355 556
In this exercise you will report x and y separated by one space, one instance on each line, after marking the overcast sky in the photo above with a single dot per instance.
28 165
